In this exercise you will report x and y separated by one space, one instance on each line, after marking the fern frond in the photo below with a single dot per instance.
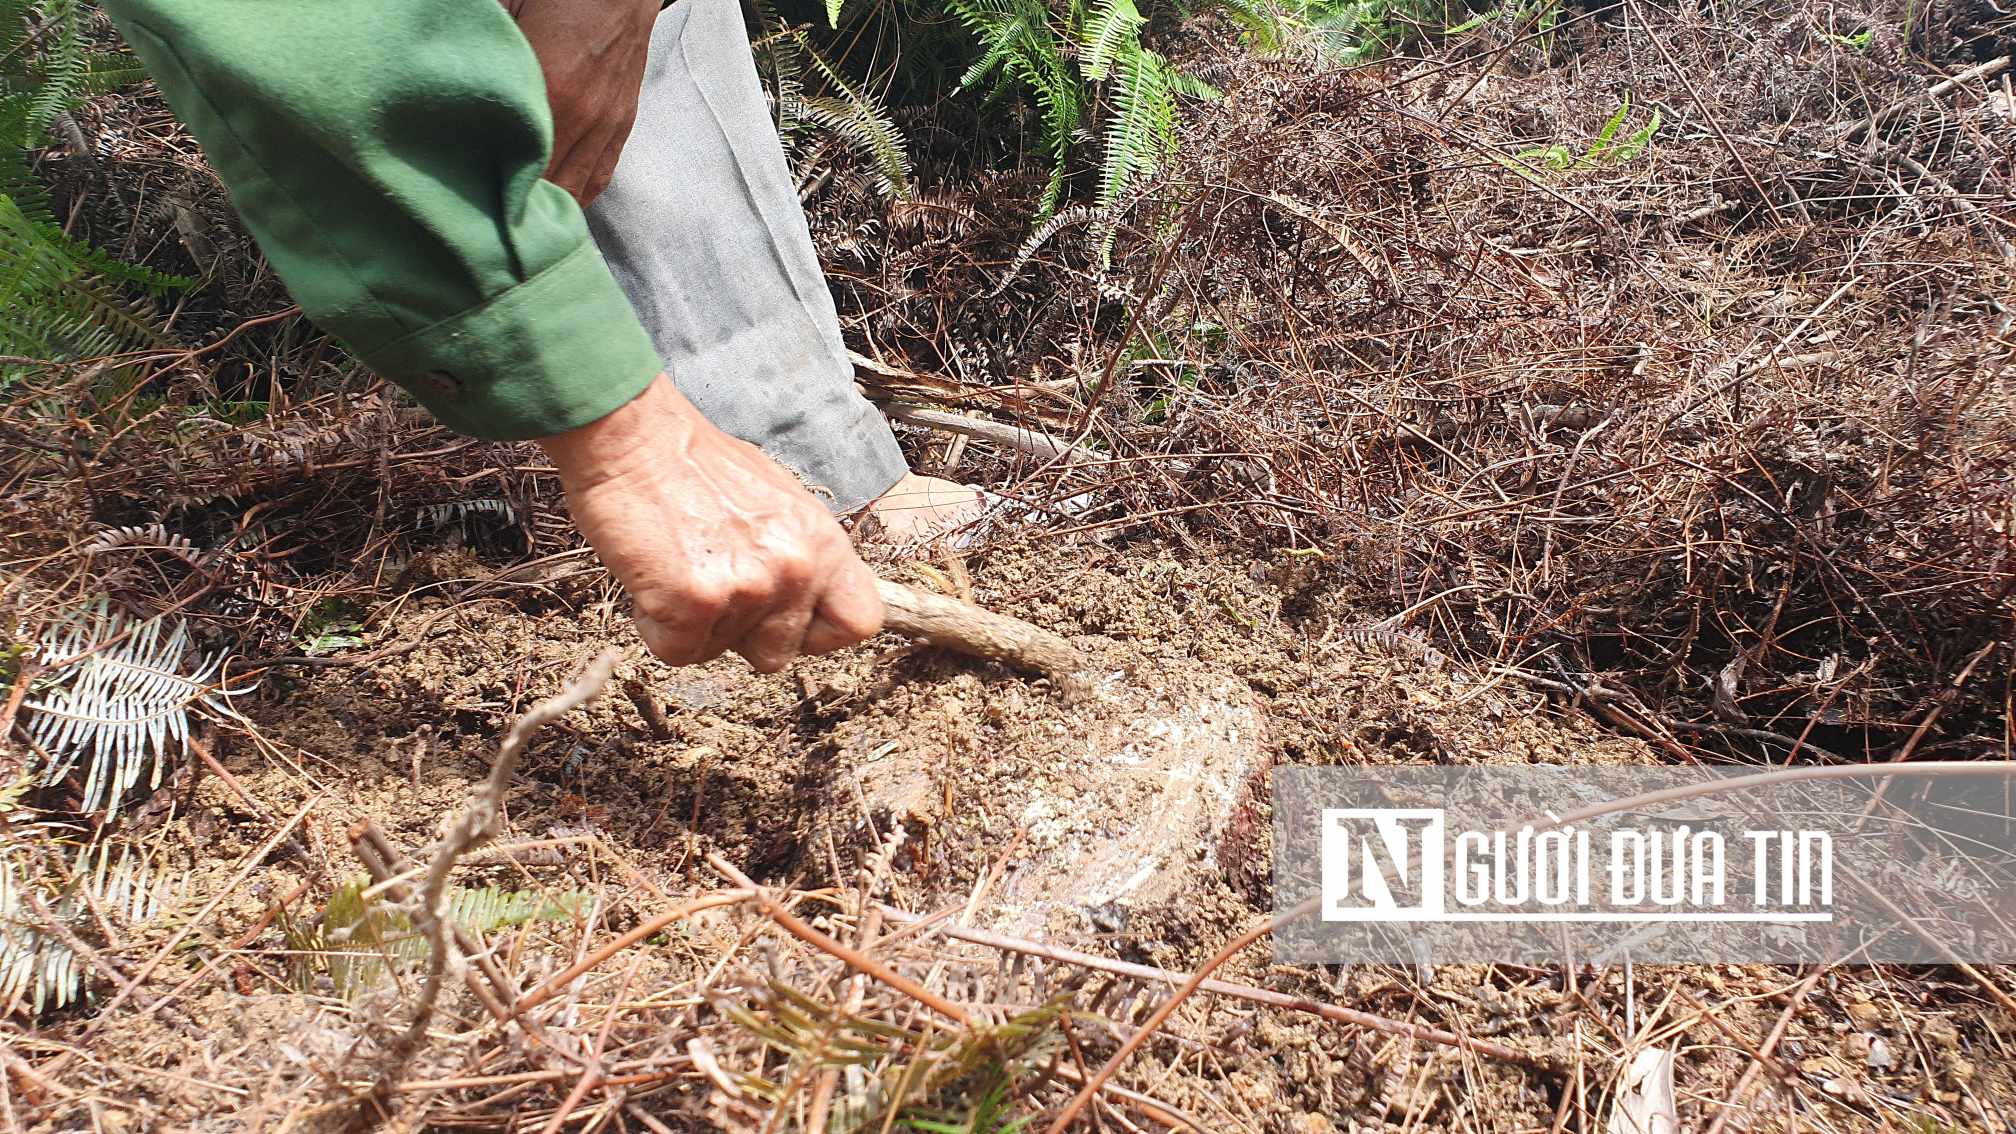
61 69
18 182
14 26
1406 643
56 301
104 74
780 53
1140 128
1263 24
118 697
897 1077
59 298
857 118
1113 26
360 940
462 512
867 130
935 214
1067 218
147 537
1002 33
39 970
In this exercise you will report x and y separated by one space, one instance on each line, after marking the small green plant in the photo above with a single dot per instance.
331 624
60 299
340 634
1352 32
1082 64
1607 150
360 940
989 1114
1541 17
1860 41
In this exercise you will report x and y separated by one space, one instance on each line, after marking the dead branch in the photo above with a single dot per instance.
1030 441
476 824
1333 1012
962 627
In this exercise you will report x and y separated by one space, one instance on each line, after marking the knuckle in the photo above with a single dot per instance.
858 627
659 609
707 598
654 613
792 569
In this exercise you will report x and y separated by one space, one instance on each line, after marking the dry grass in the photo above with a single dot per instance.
1719 434
1714 442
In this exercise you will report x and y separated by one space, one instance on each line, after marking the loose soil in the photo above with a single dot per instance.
999 786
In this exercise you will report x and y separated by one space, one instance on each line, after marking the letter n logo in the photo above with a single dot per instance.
1382 864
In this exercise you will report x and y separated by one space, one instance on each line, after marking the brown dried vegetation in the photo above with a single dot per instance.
1449 453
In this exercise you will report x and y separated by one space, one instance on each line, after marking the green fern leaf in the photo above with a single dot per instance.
61 66
1141 123
1609 131
58 299
360 940
1264 26
1115 24
856 118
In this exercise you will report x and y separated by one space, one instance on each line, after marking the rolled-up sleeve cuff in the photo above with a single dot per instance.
561 349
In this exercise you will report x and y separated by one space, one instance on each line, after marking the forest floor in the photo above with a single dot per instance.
1425 427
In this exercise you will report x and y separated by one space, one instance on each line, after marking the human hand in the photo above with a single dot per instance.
719 547
592 53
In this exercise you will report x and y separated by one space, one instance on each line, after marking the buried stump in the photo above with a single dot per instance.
1063 812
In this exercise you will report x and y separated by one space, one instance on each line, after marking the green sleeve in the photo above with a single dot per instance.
387 155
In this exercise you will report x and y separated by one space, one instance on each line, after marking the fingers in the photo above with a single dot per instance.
567 173
580 167
777 639
719 547
677 640
849 610
592 161
791 615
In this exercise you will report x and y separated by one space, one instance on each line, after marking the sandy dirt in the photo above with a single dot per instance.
1132 824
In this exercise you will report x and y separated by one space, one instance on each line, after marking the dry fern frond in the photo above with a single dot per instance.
1403 643
147 537
39 971
934 213
892 1075
118 695
1100 215
464 511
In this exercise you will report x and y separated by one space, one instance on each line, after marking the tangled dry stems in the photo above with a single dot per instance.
1717 439
1726 425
